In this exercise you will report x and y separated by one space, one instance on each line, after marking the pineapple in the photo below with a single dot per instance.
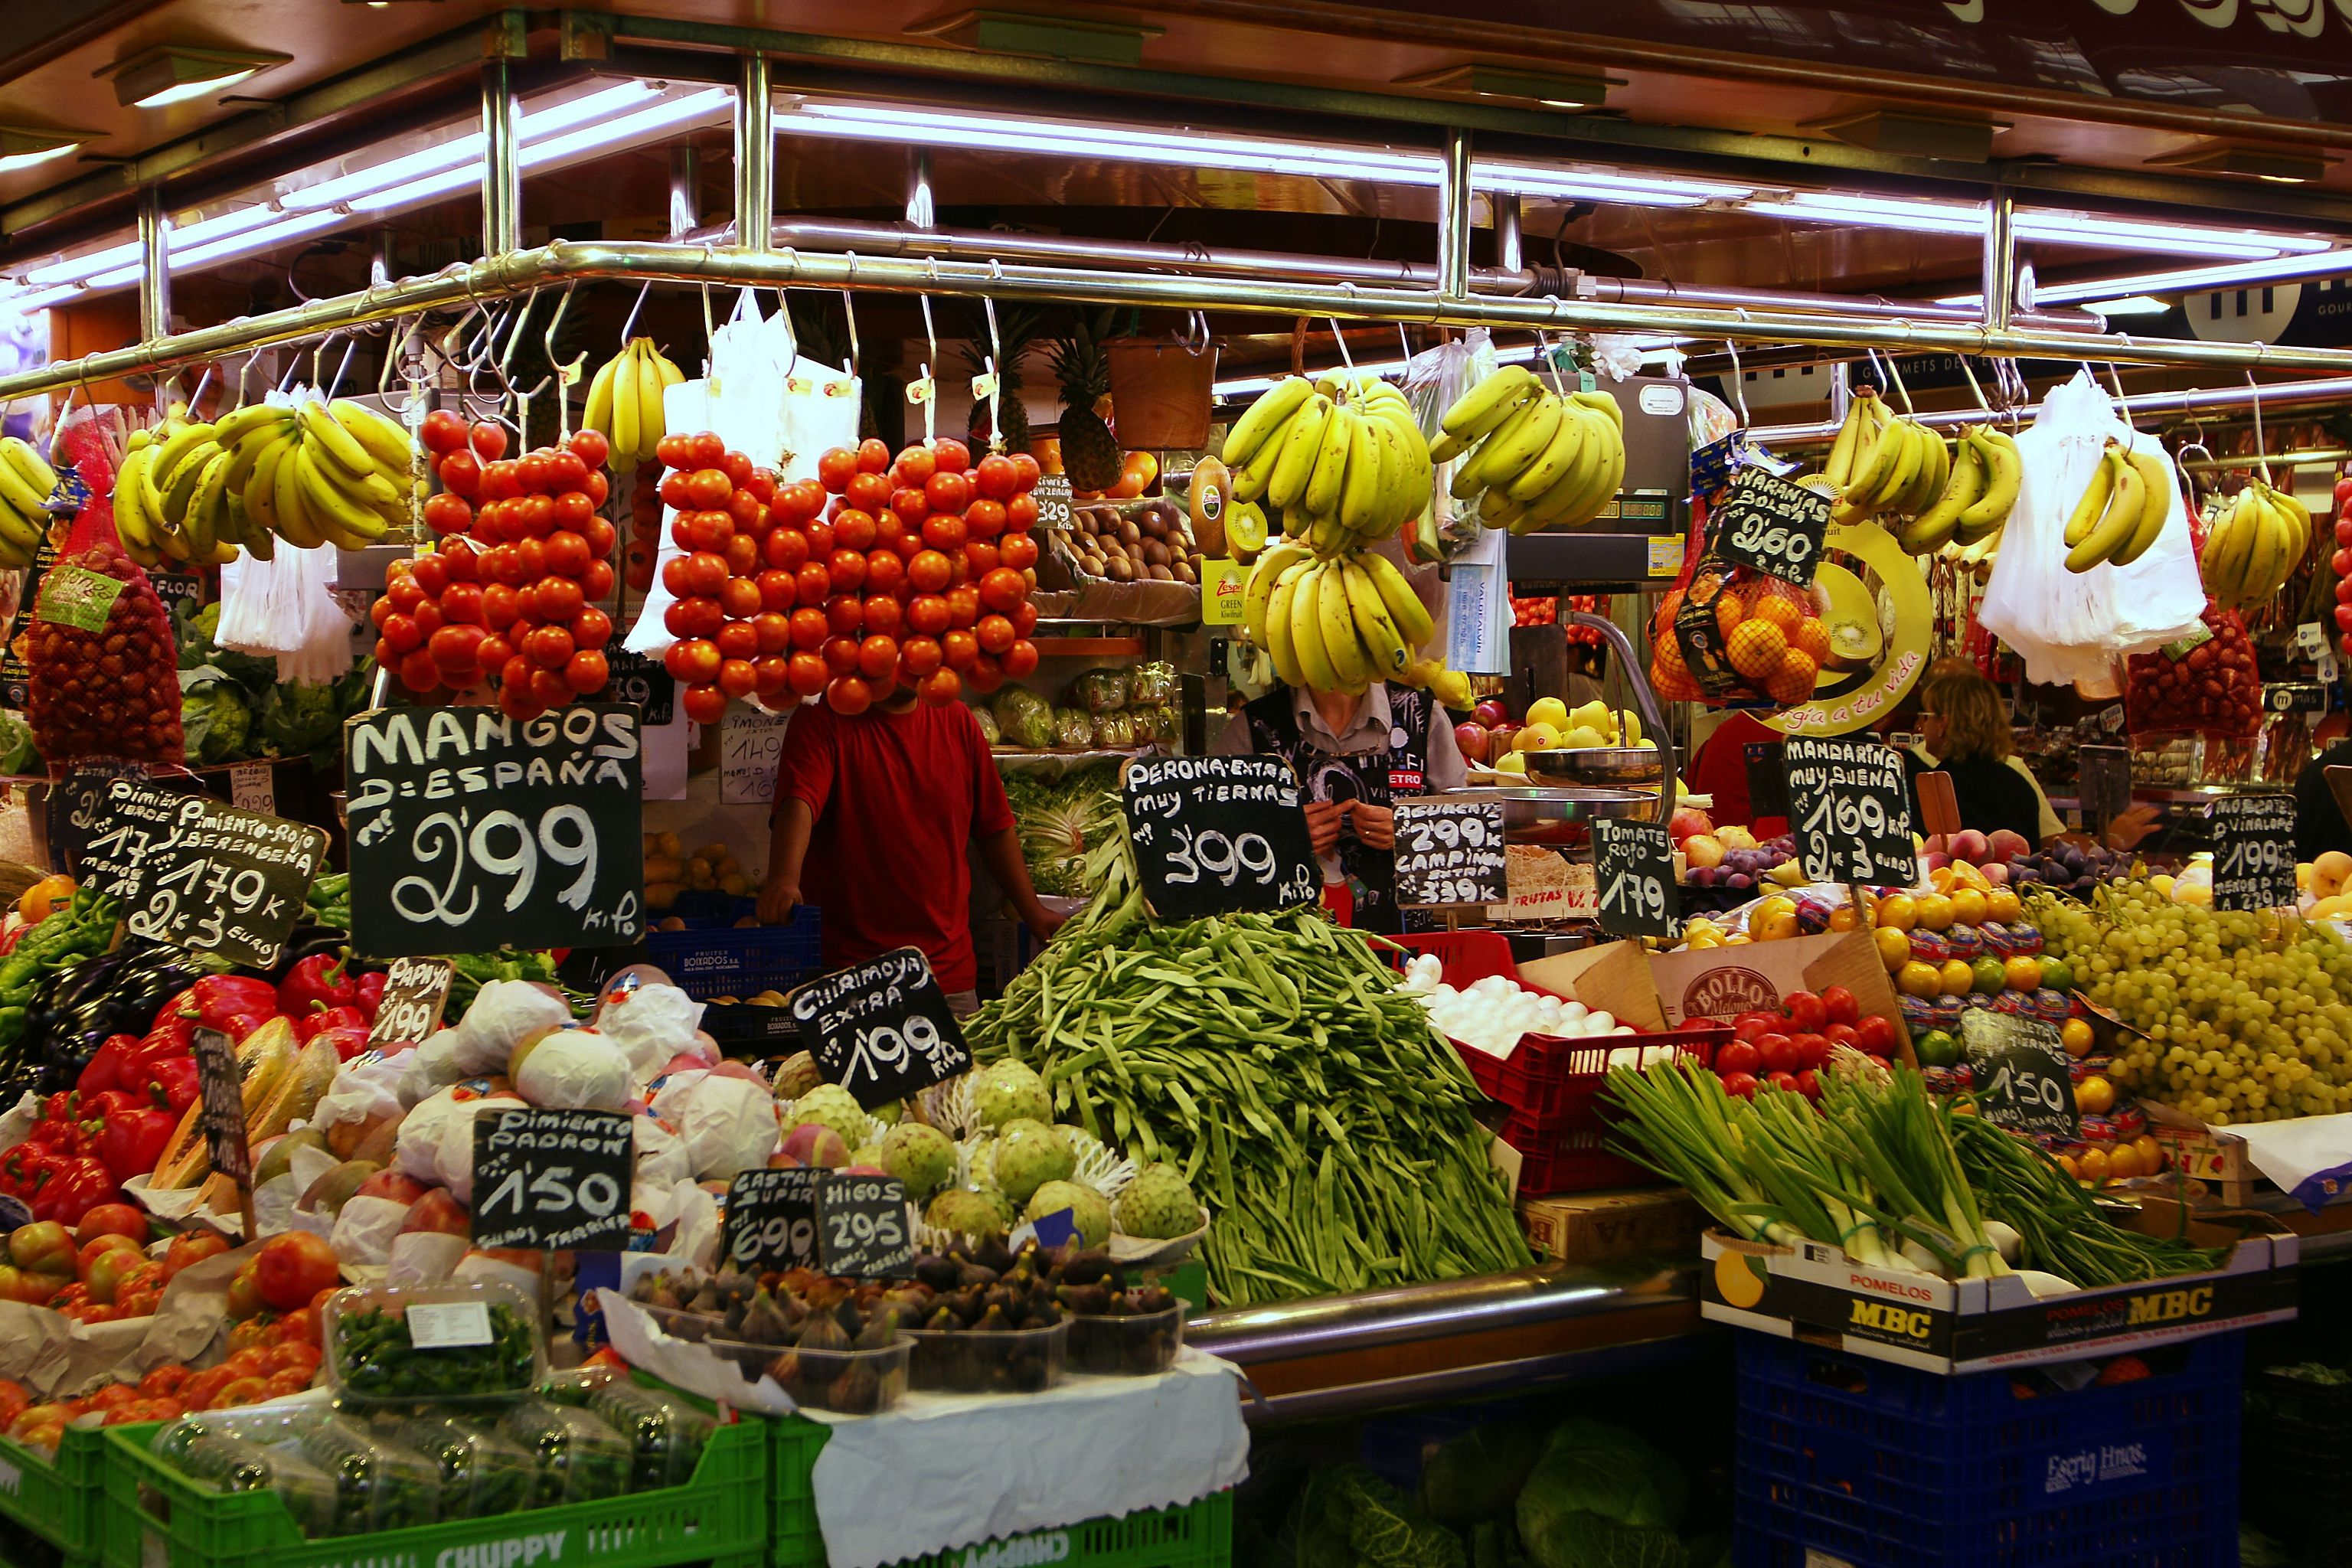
1090 453
1016 327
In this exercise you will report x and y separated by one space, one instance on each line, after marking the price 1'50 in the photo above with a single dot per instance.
551 1192
2029 1091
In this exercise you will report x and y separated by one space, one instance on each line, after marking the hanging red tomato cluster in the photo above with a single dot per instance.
917 572
509 591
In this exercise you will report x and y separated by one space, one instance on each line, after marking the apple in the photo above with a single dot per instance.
292 1266
812 1143
44 1246
1491 713
2004 843
1968 845
437 1210
1736 836
1687 820
1702 850
396 1186
1471 738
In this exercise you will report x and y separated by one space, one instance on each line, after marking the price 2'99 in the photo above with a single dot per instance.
499 845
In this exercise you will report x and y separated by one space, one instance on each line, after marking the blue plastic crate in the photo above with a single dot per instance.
740 960
1863 1462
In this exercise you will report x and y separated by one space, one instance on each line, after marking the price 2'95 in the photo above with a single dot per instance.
866 1231
500 844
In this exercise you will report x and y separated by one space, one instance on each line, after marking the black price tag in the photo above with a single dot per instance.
182 593
470 830
2021 1074
1850 810
1450 852
1773 525
414 992
1767 779
642 680
220 1089
2103 781
1633 868
2253 851
1053 497
553 1181
194 873
881 1029
1216 835
861 1226
771 1219
77 808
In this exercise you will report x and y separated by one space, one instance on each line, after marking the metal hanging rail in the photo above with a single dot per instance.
2193 400
519 273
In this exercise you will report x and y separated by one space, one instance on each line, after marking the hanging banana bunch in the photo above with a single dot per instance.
1977 497
625 400
2258 539
1340 458
2122 509
1336 623
27 481
1540 459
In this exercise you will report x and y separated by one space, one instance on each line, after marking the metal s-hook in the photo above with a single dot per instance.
2123 401
1738 380
1340 341
925 390
630 325
849 309
996 379
567 375
2262 457
197 398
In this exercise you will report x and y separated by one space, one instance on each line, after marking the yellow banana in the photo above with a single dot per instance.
30 465
1557 459
597 413
1483 408
2092 504
1259 595
1931 530
2126 497
625 430
1404 605
1839 468
1512 455
240 423
1470 474
670 374
1331 470
130 515
1388 483
1360 489
326 440
1383 642
1305 631
2155 505
294 524
206 507
1882 444
1277 629
650 428
1337 623
336 515
2005 471
178 444
384 442
1263 418
1302 440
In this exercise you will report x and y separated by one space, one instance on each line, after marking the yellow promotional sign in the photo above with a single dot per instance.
1223 583
1886 662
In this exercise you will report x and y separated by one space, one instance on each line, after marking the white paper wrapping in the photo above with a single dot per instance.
366 1229
2310 1157
688 1366
966 1469
729 1124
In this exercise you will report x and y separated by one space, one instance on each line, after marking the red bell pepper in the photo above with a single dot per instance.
59 1129
104 1070
349 1041
233 1004
344 1018
77 1186
26 1168
315 984
371 993
171 1083
131 1141
93 1110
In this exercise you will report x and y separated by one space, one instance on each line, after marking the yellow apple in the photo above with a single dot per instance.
1548 711
1536 738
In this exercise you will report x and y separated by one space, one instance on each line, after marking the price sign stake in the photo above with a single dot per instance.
771 1219
2022 1082
220 1091
1450 852
862 1230
1635 870
414 992
1773 525
194 873
1851 811
553 1181
2253 851
1218 835
881 1029
473 830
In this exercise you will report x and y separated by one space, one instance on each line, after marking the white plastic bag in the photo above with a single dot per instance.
2074 625
746 382
1433 380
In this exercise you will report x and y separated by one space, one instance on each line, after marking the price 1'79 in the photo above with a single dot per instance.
1634 896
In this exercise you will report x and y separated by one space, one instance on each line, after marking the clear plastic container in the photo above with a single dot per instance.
233 1464
666 1434
265 1424
481 1472
578 1386
580 1458
372 1361
680 1324
991 1361
855 1382
1137 1345
378 1483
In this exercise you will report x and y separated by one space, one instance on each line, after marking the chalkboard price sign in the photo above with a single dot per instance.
553 1181
1216 835
2103 781
76 809
1851 811
1052 497
2253 851
194 873
2021 1072
472 830
771 1219
1773 525
862 1231
881 1029
1634 872
643 681
414 992
220 1088
1450 852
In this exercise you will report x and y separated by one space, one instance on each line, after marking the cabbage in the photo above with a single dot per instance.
1073 728
1114 732
1024 718
1151 683
1477 1475
215 720
1346 1517
1600 1496
1099 691
988 730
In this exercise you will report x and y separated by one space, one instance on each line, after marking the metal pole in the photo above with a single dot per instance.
2191 400
2000 257
685 190
1454 199
755 155
154 267
1504 204
501 164
565 262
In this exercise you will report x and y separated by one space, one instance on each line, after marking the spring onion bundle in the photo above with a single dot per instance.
2062 1227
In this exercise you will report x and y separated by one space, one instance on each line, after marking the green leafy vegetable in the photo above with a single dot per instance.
1600 1496
1477 1475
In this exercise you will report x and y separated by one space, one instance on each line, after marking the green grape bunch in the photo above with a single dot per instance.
2244 1016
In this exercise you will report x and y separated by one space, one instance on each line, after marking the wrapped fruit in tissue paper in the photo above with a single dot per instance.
571 1070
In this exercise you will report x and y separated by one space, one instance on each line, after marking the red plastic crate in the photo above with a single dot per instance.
1549 1084
1577 1159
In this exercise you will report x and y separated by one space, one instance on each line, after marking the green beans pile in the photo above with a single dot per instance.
1310 1105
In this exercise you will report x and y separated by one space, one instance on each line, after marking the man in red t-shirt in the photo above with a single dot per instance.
871 815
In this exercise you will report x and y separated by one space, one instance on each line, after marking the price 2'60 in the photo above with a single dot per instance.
1758 535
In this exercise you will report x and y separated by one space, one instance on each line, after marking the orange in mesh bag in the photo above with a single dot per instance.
1732 635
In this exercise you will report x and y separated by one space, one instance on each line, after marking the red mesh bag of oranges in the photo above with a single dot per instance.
1731 634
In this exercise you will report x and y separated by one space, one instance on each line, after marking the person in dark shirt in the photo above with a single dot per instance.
2319 824
1963 721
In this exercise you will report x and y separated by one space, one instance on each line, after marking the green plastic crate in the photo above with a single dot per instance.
154 1517
1197 1535
56 1498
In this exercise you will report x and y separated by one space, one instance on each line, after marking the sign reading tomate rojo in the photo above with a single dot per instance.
470 829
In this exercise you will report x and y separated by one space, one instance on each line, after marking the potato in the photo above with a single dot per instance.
1160 573
1154 553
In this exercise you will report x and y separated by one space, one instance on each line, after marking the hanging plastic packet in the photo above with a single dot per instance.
1433 380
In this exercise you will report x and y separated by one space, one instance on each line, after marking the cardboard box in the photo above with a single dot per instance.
1721 982
1613 977
1977 1325
1604 1227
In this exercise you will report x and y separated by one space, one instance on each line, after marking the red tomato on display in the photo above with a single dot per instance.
1839 1006
1805 1010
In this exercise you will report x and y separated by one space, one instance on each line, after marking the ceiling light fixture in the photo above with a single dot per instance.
171 73
1100 40
1903 133
2185 279
25 146
2276 165
1560 89
2129 305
